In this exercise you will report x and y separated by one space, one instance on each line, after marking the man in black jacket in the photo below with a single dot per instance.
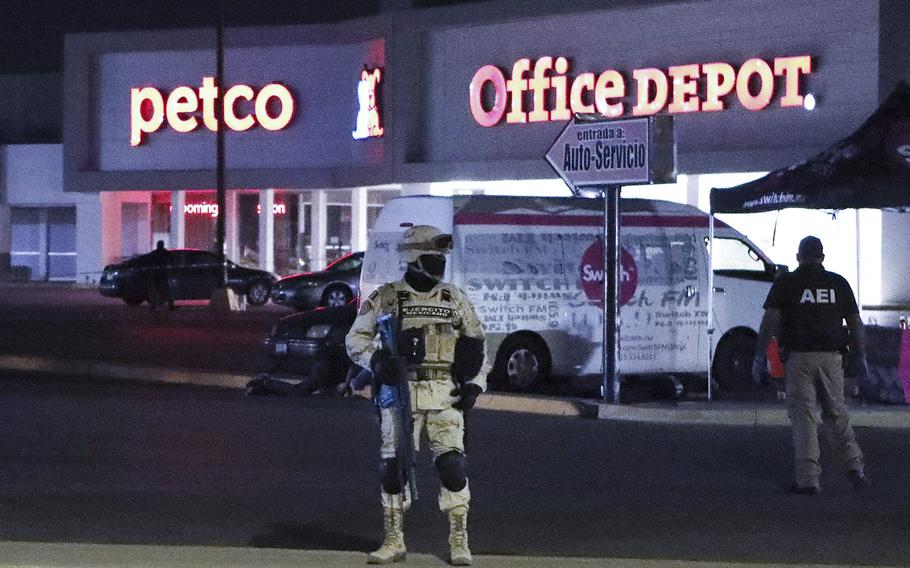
805 310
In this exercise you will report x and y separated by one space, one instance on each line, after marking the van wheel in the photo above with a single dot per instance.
521 364
733 362
336 296
132 300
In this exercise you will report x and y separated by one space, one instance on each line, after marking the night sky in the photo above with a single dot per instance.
31 31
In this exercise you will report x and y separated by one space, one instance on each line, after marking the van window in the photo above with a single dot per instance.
662 259
733 257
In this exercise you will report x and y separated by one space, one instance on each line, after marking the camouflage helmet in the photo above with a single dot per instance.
423 239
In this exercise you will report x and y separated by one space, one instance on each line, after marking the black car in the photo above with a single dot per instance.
334 286
189 274
311 344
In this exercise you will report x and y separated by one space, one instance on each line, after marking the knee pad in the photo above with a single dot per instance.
452 468
390 476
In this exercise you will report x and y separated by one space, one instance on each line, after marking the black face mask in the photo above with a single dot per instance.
432 265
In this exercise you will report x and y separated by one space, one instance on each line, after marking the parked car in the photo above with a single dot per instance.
310 344
332 287
190 274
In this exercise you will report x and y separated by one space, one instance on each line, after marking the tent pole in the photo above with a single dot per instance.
710 301
859 295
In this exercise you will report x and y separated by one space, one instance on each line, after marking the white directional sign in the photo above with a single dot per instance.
610 152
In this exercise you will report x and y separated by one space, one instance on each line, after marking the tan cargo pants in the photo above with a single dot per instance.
815 391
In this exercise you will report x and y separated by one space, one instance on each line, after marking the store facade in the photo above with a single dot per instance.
323 124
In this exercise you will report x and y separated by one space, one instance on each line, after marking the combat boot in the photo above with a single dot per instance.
459 553
392 548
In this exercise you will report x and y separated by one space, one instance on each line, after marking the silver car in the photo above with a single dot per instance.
334 286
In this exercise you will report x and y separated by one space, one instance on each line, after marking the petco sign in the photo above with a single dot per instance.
556 96
271 108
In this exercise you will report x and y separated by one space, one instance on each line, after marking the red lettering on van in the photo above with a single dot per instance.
591 274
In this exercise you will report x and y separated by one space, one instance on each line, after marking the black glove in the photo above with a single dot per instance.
760 372
858 367
467 395
383 368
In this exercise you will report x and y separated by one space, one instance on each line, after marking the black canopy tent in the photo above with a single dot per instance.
868 169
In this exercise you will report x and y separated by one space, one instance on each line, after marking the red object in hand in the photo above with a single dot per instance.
774 363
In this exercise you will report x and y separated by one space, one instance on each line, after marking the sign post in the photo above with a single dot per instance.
596 157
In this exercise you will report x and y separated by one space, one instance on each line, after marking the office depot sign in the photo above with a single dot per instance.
706 87
273 108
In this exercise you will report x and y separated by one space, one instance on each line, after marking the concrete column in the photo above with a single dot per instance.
301 226
692 193
232 226
42 245
318 222
6 236
110 227
358 219
178 219
90 226
266 230
6 229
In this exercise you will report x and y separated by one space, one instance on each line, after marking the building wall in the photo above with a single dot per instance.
842 38
319 64
895 257
432 56
32 175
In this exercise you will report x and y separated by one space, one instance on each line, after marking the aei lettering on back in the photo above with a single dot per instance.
818 296
149 108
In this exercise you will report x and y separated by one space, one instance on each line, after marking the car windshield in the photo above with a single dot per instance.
350 262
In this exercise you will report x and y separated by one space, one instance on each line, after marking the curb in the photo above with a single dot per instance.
680 413
700 413
167 375
537 405
122 372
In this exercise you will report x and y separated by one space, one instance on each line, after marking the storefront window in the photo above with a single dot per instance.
201 216
376 198
303 238
248 229
161 218
338 232
286 233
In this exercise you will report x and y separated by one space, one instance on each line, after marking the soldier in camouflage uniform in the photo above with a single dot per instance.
442 385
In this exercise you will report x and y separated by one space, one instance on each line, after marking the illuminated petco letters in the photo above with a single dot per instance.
368 124
149 109
676 89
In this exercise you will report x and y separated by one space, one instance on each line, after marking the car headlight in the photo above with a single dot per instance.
318 331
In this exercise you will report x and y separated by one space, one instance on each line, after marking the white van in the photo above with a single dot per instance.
533 267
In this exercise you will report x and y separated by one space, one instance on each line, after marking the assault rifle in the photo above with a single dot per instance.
404 428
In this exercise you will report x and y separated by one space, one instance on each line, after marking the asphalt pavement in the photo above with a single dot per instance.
39 555
65 332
